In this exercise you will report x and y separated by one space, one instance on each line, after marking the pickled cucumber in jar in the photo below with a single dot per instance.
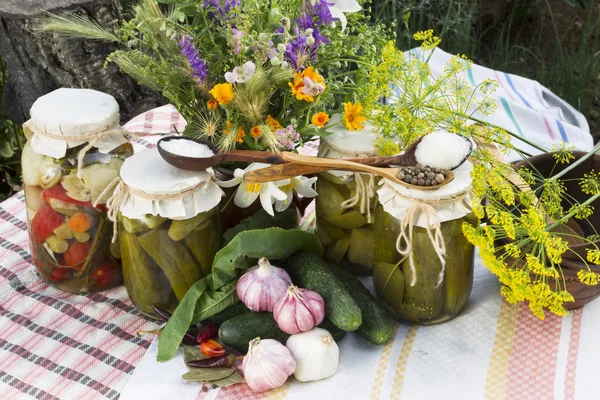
345 232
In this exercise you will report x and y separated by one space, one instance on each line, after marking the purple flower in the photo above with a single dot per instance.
196 63
321 10
236 41
287 137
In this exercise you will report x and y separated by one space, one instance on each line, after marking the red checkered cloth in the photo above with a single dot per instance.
57 345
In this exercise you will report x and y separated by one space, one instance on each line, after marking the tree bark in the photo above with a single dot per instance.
40 62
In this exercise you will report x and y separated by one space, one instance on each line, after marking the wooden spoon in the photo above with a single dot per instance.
338 164
202 163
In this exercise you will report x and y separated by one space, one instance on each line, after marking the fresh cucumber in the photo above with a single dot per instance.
376 324
241 329
227 314
311 272
238 331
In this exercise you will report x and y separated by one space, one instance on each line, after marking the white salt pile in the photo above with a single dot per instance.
187 148
442 149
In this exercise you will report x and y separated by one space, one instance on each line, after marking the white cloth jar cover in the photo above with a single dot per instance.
152 186
67 118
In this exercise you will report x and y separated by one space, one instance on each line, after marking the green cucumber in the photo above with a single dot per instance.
238 331
376 324
228 313
311 272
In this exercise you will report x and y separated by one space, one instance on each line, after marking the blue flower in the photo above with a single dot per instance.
321 10
197 64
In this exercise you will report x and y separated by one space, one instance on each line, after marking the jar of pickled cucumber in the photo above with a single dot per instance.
75 149
169 229
346 202
423 264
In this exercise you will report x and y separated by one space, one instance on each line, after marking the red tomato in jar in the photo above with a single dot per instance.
106 274
76 254
59 274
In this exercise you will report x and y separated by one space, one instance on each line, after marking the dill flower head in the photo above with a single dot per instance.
320 119
352 118
562 153
223 93
588 277
590 184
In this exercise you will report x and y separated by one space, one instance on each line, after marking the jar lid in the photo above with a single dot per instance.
67 118
155 187
451 201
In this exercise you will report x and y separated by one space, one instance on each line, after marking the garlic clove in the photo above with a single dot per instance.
262 286
316 354
267 365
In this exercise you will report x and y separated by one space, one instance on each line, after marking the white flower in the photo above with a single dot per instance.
279 192
241 74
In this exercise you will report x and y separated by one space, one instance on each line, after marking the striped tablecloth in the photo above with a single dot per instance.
55 345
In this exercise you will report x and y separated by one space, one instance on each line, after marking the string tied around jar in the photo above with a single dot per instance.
120 189
91 140
365 191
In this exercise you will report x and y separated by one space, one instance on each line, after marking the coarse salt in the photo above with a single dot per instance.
187 148
442 149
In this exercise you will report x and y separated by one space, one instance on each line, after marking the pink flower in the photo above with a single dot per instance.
287 137
236 41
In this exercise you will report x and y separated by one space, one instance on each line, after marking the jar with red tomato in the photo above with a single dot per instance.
75 148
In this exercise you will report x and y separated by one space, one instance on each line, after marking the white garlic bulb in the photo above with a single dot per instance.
262 286
267 365
316 354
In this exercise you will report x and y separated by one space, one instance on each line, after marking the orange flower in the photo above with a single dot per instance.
227 128
300 88
353 119
273 123
320 119
240 135
256 132
212 104
223 93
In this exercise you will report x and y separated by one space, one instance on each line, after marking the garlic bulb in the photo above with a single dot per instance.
299 310
316 354
261 287
267 365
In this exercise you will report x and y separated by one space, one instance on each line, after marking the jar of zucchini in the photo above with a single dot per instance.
75 148
346 202
169 229
423 263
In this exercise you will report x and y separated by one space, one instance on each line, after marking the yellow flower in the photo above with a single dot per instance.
508 295
555 247
593 256
562 153
223 93
320 119
588 277
590 184
537 310
299 85
212 104
240 135
256 132
353 119
512 250
273 123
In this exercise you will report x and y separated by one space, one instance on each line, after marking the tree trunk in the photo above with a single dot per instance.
39 62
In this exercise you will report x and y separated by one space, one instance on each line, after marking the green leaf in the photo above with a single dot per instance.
213 302
312 131
172 334
207 374
273 243
192 353
231 380
287 219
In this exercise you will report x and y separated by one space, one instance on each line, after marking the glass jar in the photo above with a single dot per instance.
163 258
345 232
169 229
70 238
424 292
345 221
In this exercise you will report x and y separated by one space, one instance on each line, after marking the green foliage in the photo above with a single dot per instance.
11 145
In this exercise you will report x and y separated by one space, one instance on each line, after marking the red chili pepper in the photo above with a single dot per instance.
212 348
106 275
44 222
59 274
207 332
58 192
